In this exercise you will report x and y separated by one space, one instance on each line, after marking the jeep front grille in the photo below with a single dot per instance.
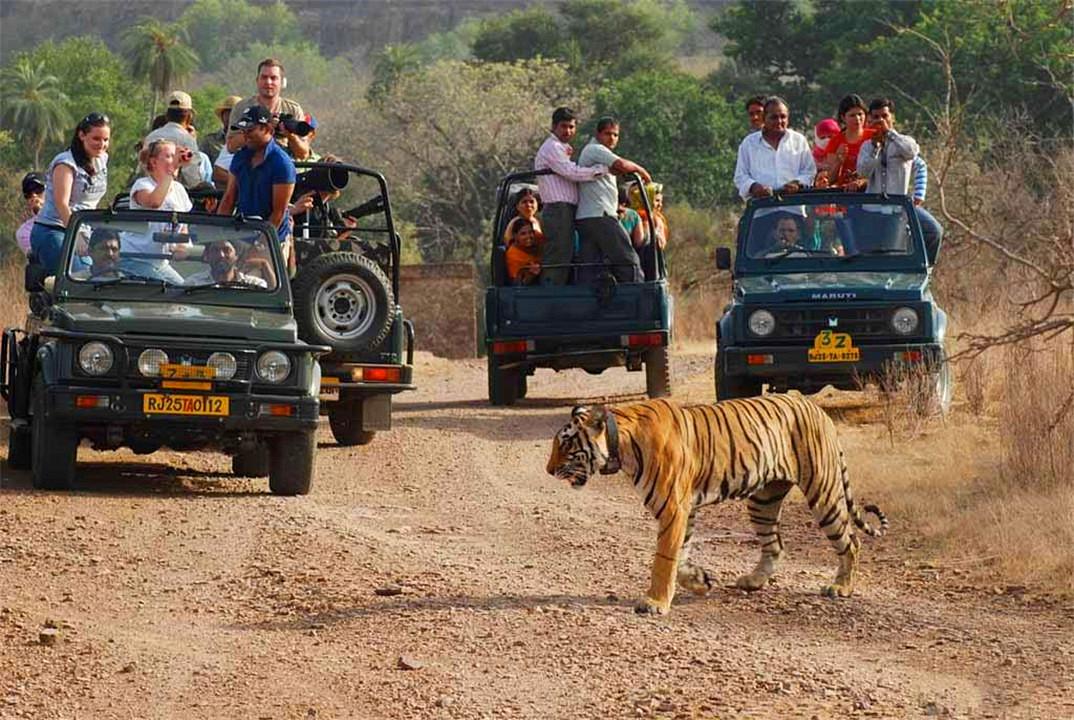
805 323
188 356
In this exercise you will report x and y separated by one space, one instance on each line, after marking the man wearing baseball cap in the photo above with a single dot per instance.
262 175
33 192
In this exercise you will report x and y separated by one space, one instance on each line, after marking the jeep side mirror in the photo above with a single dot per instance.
723 258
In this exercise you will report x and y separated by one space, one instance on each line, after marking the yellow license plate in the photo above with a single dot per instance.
831 346
160 404
171 371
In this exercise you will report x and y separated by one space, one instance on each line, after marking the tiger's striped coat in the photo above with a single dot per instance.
683 457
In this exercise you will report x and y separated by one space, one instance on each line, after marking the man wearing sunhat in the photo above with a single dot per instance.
211 143
262 175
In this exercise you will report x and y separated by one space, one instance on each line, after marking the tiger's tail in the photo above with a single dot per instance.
855 513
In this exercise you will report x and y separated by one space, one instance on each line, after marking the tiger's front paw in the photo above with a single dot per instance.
651 607
752 581
696 581
837 590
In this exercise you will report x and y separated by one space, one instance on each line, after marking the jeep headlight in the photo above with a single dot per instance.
223 365
95 358
762 323
904 320
273 366
149 361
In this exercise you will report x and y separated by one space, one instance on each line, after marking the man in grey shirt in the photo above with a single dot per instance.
598 224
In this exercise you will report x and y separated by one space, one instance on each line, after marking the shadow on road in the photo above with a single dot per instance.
402 604
135 480
529 419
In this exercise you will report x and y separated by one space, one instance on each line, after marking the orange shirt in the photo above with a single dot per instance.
850 161
518 257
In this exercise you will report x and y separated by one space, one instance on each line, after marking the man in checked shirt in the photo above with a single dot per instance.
559 193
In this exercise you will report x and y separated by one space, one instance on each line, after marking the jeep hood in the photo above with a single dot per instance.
826 286
180 319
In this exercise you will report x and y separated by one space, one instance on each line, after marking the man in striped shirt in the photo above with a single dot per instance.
559 193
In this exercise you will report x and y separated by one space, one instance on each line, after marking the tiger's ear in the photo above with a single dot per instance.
580 415
597 418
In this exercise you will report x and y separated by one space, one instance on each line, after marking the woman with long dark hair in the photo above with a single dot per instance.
839 160
76 179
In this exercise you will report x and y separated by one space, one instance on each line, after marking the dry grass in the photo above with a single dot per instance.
13 306
991 490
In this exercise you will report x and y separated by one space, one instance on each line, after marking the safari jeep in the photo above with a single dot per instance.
592 326
347 297
183 339
829 288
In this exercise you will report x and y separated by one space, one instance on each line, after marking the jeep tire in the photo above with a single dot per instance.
345 419
344 300
729 387
54 447
19 447
291 463
504 385
657 373
251 463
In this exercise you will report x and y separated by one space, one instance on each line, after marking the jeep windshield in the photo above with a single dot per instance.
797 231
176 251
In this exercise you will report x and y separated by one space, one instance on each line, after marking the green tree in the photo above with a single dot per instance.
447 133
94 80
219 29
1009 64
34 105
801 48
521 35
158 52
597 38
685 134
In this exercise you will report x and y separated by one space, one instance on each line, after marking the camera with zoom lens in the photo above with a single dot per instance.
294 125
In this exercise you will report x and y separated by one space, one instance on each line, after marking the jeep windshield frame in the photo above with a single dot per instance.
71 284
836 232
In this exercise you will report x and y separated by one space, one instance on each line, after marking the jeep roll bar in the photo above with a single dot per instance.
502 207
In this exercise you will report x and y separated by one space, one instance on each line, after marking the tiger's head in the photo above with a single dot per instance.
579 449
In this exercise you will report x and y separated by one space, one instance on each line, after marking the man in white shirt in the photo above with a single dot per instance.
601 234
775 158
559 193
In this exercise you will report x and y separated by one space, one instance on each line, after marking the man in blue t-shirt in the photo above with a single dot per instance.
262 176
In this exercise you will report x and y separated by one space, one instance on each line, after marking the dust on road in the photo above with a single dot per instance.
439 573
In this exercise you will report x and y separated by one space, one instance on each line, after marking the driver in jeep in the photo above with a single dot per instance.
104 254
223 262
785 236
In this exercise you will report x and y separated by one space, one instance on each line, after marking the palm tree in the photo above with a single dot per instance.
32 103
159 53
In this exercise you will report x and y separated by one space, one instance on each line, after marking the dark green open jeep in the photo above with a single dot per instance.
347 296
163 330
589 325
830 288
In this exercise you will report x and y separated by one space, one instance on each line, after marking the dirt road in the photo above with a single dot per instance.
439 573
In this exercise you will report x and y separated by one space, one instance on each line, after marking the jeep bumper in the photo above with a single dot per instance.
791 366
115 407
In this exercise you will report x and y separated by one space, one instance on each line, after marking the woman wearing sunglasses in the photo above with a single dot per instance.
76 179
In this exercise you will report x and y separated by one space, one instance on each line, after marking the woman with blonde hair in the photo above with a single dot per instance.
157 190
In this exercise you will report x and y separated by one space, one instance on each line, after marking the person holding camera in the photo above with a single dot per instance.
33 192
271 81
262 177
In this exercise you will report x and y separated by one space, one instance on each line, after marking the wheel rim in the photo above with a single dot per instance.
345 307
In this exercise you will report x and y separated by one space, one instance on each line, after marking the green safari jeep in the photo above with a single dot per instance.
163 329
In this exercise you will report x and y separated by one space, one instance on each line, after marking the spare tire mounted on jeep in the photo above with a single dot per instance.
343 299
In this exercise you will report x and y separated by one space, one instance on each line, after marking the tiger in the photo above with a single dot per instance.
683 457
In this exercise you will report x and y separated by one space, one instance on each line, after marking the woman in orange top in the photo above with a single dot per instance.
523 256
839 160
527 205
